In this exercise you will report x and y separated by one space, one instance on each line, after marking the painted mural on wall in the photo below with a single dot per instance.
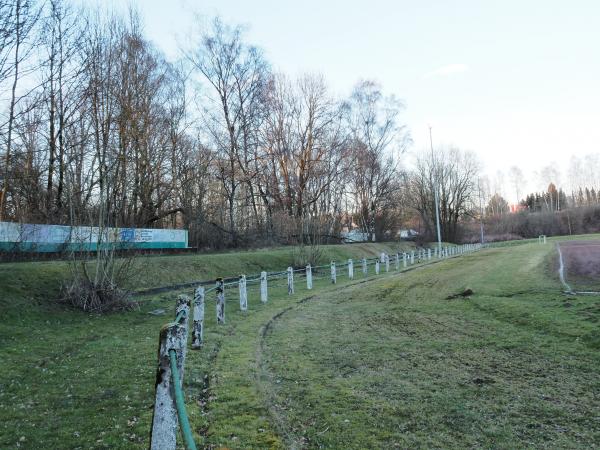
51 238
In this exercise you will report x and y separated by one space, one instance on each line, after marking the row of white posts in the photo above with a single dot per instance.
384 260
174 336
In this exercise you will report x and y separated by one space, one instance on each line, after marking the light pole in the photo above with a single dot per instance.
480 209
436 196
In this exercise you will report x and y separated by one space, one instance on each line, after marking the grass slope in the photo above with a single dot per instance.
377 362
514 366
71 379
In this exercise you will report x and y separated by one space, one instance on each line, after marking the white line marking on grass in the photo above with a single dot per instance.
561 272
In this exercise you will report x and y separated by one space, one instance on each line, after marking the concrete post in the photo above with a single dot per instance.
376 267
365 268
264 287
243 293
290 280
220 290
165 423
308 277
182 309
198 326
333 273
350 269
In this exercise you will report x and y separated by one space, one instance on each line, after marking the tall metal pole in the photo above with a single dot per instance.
480 209
436 196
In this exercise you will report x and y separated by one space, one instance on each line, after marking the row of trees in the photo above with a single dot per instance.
552 200
97 127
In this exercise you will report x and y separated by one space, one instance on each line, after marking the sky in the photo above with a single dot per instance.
516 82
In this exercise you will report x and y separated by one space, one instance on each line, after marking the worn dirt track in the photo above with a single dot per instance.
581 258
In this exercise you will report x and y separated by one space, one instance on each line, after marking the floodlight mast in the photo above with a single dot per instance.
480 210
436 196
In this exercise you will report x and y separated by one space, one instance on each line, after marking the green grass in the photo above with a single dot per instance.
514 366
72 379
378 364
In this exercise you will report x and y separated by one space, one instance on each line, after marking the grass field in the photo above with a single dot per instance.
375 363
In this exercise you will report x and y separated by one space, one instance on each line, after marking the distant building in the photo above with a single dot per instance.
408 234
354 236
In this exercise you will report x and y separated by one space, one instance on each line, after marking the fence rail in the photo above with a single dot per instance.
170 413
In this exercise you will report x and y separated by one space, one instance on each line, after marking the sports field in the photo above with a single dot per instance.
581 261
393 361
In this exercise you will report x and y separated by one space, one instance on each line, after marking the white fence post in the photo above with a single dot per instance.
264 287
308 277
165 423
412 257
376 267
429 254
387 263
397 261
333 273
365 268
197 329
290 279
404 256
243 293
350 268
220 290
183 306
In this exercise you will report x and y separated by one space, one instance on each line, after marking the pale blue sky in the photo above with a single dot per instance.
517 82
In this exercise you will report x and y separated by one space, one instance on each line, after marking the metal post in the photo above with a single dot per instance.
436 193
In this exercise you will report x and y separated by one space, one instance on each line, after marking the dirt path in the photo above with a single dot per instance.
265 378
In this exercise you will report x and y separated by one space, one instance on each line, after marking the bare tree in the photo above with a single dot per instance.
517 179
17 35
237 74
455 174
377 140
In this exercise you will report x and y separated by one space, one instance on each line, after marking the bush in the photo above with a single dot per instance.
97 285
307 254
97 297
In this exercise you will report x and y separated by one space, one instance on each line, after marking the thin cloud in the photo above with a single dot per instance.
447 70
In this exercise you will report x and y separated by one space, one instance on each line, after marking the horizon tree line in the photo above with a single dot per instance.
97 127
